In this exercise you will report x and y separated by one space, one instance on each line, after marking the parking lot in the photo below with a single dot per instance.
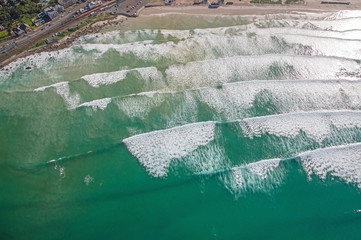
128 7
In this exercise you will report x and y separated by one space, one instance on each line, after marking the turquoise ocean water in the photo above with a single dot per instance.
187 127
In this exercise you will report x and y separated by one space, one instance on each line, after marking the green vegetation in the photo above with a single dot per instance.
27 21
18 11
90 20
6 38
294 1
73 29
4 34
40 43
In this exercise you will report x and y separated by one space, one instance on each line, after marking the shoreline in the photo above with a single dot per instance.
241 9
67 41
245 8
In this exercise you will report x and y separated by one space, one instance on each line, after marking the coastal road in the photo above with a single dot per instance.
16 46
60 23
43 29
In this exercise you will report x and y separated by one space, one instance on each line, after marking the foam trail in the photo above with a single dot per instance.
343 162
307 30
156 150
262 168
261 176
206 160
143 35
344 24
326 46
72 100
317 125
141 104
97 104
344 14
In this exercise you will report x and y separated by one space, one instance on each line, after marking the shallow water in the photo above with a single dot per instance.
187 127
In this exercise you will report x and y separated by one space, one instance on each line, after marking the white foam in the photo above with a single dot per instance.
305 30
141 104
142 35
287 96
98 79
208 160
150 74
344 14
185 112
232 100
61 170
72 100
225 41
326 46
156 150
39 60
42 89
148 94
343 24
262 168
203 45
232 69
257 176
120 37
88 179
343 162
211 43
97 104
317 125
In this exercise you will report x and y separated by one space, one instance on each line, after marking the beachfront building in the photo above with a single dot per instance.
18 31
25 27
50 12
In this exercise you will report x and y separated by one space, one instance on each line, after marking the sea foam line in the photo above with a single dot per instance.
97 104
98 79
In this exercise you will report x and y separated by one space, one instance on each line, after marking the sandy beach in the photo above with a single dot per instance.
245 8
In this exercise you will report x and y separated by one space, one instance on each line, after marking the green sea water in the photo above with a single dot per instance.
180 126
